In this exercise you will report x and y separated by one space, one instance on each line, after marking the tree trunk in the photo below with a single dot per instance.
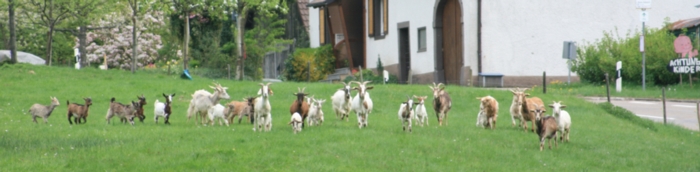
82 40
185 60
49 40
240 24
13 34
135 43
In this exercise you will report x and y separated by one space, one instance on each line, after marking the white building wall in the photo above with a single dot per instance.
525 38
417 13
314 28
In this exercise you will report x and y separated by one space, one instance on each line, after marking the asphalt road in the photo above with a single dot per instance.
679 113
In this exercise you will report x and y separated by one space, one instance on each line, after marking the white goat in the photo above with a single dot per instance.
262 108
406 113
316 112
203 100
43 111
217 112
362 103
516 107
296 122
163 110
341 102
563 120
421 114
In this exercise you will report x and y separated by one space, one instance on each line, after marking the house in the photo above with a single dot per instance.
453 41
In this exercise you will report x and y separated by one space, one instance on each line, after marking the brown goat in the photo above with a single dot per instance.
240 109
78 112
488 108
300 105
442 103
530 104
123 111
139 110
546 127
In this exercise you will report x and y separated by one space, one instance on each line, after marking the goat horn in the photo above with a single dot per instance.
302 89
440 84
366 82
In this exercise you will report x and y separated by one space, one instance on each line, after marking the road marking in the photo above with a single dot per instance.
656 117
646 103
685 106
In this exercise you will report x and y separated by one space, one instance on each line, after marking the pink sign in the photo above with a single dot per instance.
684 47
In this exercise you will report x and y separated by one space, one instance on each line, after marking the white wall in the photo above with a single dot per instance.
524 38
314 36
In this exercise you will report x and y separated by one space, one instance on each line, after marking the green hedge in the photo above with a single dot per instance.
599 57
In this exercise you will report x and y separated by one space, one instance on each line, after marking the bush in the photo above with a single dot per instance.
597 58
368 75
321 61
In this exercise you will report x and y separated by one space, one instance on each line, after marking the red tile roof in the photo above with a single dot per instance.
304 12
684 24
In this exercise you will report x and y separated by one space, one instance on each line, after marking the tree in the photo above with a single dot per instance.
135 13
51 12
188 9
83 12
13 33
242 8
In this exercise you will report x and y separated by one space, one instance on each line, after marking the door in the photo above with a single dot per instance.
404 55
452 41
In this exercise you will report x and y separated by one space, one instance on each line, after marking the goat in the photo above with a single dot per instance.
546 126
78 111
316 112
516 106
488 112
563 120
421 114
217 112
163 109
43 111
341 102
362 103
296 122
139 110
528 105
203 100
299 105
240 109
406 113
262 108
442 103
127 111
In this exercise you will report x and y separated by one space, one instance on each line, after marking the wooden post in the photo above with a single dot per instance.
697 106
308 73
544 82
228 69
663 99
168 69
607 86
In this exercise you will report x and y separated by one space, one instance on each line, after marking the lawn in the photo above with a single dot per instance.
679 91
600 141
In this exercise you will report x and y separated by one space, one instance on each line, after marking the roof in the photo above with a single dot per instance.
318 3
304 12
687 23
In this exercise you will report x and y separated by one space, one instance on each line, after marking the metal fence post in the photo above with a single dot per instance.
607 86
663 99
544 82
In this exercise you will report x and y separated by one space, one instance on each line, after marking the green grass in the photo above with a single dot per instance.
599 141
681 91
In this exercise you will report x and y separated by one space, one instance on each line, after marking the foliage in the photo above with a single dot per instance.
368 75
321 63
597 58
267 36
117 42
333 146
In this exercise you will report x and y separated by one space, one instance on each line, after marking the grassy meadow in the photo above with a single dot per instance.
600 141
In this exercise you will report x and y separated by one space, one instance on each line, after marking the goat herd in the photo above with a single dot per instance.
206 108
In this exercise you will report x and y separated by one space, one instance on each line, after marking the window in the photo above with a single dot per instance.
378 18
422 46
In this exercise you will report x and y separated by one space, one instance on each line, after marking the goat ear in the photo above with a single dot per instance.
563 106
551 106
526 94
431 87
369 88
355 88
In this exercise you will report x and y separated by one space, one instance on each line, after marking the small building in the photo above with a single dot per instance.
452 41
